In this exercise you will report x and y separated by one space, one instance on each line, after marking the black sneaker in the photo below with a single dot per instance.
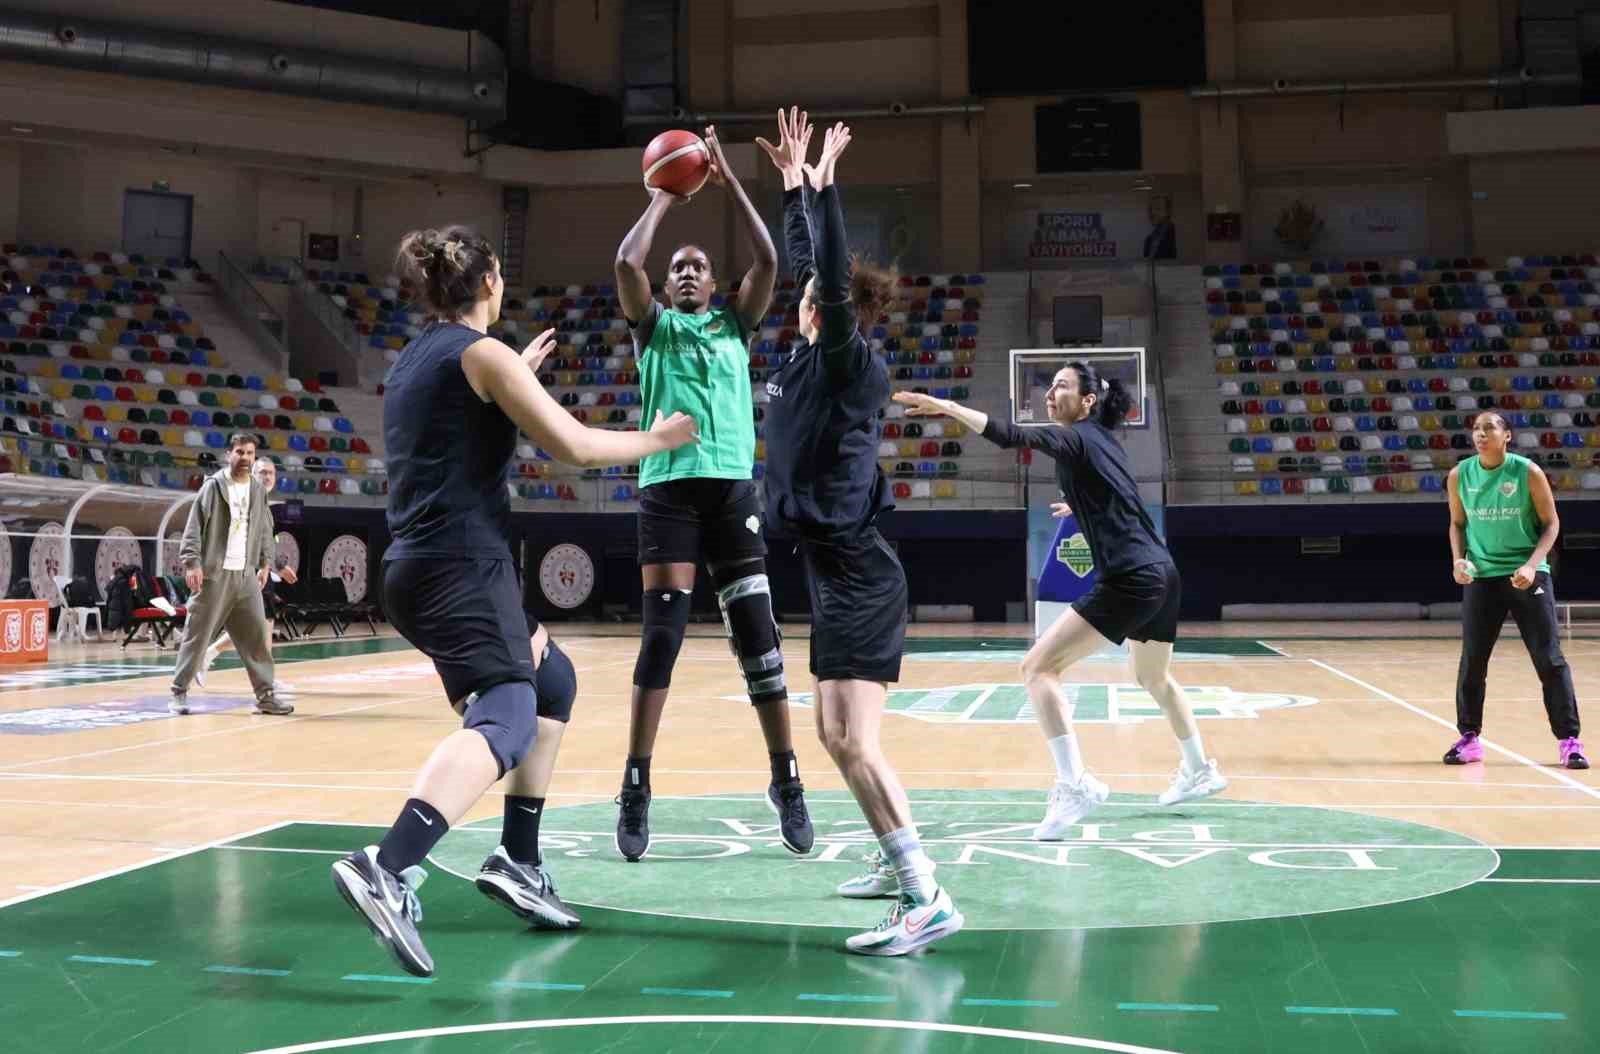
388 902
633 822
527 890
788 800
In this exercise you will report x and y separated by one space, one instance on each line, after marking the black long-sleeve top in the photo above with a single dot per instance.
1093 474
823 479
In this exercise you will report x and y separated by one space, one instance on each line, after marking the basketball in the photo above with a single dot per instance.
676 162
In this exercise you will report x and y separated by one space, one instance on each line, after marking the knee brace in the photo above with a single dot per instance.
745 598
507 716
666 616
557 684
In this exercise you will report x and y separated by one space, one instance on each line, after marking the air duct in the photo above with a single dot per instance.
142 51
1496 82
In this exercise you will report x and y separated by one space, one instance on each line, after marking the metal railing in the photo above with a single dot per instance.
265 326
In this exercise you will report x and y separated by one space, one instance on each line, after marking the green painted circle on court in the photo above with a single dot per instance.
1132 863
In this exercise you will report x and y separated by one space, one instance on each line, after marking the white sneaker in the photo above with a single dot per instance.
283 691
205 665
1189 786
1069 803
879 881
909 926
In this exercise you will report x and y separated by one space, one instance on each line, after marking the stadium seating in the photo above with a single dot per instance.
1364 377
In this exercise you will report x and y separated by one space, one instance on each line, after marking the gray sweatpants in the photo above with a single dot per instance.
229 600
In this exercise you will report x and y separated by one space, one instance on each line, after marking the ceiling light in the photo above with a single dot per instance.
22 129
1021 186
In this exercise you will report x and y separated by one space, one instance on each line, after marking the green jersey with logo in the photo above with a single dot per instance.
699 365
1502 524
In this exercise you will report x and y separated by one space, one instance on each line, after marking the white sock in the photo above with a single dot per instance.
1069 760
911 865
1194 753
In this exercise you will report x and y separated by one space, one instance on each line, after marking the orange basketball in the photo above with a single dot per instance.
676 162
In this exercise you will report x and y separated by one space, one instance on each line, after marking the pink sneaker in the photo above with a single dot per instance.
1465 751
1572 754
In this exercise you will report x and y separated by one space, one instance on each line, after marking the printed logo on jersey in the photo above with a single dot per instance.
715 326
1074 552
753 524
775 390
1508 488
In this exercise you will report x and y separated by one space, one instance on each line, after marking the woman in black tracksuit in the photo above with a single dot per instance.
824 484
1135 597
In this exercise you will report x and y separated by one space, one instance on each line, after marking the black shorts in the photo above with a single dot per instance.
1139 605
683 520
465 615
858 609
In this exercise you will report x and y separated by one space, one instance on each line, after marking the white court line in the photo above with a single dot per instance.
1546 881
1555 774
1232 777
253 726
1046 1038
743 800
1270 647
75 883
150 808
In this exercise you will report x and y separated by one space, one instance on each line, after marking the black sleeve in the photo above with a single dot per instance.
797 234
1063 444
844 351
644 328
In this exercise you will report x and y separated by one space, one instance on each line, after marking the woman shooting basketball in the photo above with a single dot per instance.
1135 597
1503 524
825 485
702 502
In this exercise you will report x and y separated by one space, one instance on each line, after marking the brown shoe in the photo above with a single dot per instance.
270 704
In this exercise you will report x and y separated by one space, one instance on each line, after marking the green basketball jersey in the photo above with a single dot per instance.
699 365
1502 525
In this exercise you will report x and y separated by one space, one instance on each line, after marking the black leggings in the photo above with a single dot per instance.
1484 606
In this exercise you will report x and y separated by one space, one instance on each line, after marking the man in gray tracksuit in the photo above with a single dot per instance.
227 549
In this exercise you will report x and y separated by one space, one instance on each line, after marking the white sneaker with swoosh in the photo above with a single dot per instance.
909 926
388 904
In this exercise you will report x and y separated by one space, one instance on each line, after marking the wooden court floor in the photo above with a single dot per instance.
164 881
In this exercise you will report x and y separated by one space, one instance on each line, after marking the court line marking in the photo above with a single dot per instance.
1548 881
253 726
72 777
1046 1038
691 993
1555 774
110 960
114 872
247 971
1232 777
1514 1015
538 986
1359 1011
1200 1008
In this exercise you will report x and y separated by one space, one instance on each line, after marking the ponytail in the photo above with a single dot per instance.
1112 401
448 267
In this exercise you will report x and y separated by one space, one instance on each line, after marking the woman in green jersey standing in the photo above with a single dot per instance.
1503 524
703 505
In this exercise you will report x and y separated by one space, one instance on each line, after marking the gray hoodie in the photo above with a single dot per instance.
205 537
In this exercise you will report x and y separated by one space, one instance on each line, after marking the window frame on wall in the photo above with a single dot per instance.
651 60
